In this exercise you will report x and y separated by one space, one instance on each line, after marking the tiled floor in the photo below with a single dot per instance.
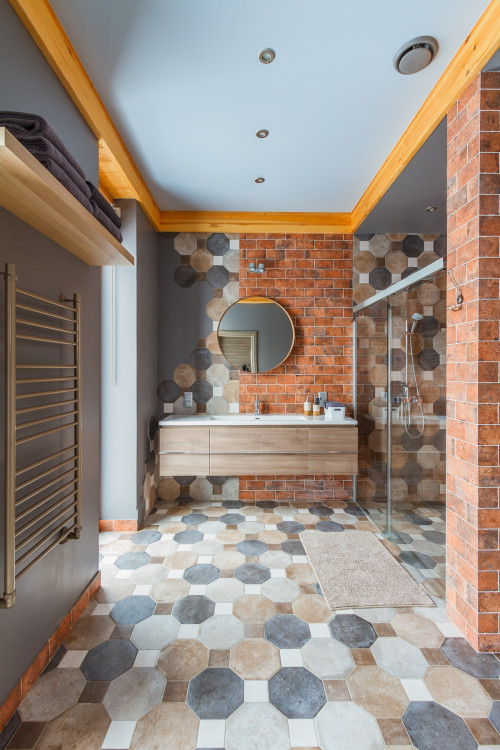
418 531
210 631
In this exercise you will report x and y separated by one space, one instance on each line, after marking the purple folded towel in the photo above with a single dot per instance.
106 221
24 124
63 178
41 148
104 205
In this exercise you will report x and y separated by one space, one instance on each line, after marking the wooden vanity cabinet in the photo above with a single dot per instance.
245 449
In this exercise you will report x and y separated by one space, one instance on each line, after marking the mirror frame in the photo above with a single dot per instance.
264 300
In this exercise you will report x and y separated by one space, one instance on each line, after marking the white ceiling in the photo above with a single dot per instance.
183 84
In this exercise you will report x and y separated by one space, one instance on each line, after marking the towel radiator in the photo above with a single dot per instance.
42 473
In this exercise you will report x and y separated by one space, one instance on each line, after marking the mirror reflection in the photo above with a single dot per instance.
256 334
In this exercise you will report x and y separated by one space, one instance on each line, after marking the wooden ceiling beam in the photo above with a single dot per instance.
473 54
248 221
49 35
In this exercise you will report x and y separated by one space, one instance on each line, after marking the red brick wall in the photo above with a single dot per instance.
311 276
473 354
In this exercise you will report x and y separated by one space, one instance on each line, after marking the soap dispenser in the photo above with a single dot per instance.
307 407
316 407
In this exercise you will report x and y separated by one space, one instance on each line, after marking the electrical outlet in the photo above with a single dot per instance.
188 400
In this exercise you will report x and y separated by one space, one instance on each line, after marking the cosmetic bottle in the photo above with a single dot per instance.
316 407
307 407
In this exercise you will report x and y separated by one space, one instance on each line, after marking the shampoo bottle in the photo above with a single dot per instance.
307 407
316 408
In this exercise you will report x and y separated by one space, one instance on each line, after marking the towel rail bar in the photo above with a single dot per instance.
24 337
32 295
45 327
43 474
63 537
50 513
44 460
38 311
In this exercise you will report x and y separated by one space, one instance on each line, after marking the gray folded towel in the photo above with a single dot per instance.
104 205
66 181
42 148
106 221
24 124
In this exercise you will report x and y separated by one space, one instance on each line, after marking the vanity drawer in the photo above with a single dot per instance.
185 439
262 464
333 439
333 463
259 440
184 464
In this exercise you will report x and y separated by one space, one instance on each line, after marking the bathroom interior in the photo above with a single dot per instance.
250 425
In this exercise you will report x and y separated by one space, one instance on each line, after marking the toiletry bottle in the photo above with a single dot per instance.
307 407
316 407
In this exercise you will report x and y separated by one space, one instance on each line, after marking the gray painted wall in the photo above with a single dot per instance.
47 592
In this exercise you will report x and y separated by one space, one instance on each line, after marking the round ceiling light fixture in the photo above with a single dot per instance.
431 209
260 180
262 133
415 55
266 56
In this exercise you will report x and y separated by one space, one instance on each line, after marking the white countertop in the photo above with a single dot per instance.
264 420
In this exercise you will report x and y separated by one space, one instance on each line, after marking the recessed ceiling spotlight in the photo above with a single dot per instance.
262 133
415 55
258 180
266 56
431 209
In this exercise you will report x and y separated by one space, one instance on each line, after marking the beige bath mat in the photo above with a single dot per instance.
356 570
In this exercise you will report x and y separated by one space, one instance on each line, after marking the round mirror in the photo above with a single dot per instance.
256 334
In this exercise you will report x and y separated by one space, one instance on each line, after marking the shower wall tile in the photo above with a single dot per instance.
473 390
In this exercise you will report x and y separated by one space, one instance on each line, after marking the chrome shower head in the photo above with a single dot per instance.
416 317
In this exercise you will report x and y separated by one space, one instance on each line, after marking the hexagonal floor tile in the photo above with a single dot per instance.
399 658
417 630
52 694
251 547
183 659
352 631
257 725
149 574
254 608
280 590
276 559
329 526
345 725
287 631
254 659
290 527
293 547
189 536
327 658
312 608
193 610
297 693
89 632
84 726
132 610
225 590
378 692
132 560
193 519
109 660
155 632
132 695
170 590
252 573
174 723
461 654
221 632
432 726
457 691
232 519
199 575
148 536
215 693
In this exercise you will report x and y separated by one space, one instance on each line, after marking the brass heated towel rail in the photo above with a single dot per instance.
42 472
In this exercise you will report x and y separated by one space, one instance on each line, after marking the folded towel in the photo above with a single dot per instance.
63 178
42 148
23 124
104 205
106 221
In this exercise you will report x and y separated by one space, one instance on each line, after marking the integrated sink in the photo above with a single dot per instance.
234 420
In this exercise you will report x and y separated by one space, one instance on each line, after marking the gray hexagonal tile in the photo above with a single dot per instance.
185 243
52 694
233 519
428 359
202 391
148 536
221 632
215 693
184 276
201 358
352 631
201 574
412 246
287 631
132 560
218 243
327 658
132 610
252 573
251 547
193 609
189 536
344 724
432 726
297 693
399 658
109 660
168 391
155 632
218 277
380 277
460 654
132 695
193 519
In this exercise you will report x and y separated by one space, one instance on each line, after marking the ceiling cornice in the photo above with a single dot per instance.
120 178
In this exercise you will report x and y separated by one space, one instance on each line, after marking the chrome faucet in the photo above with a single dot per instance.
257 407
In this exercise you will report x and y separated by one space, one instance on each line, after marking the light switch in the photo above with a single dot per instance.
188 399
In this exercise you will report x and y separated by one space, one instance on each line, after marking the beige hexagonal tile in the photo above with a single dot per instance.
231 292
185 243
84 727
89 632
170 590
255 659
301 573
417 630
180 560
312 608
183 659
217 405
212 343
396 261
230 537
52 694
201 260
216 308
458 691
174 724
378 692
272 536
201 489
231 391
228 560
231 489
364 261
428 456
363 292
218 374
184 375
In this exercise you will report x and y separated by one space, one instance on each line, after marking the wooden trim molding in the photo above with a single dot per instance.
120 178
21 688
49 35
248 221
482 42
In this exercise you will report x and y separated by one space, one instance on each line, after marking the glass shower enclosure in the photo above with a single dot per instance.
400 405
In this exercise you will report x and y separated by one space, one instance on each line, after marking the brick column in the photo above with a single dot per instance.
473 354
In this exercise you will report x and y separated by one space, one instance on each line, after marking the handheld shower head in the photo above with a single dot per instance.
416 317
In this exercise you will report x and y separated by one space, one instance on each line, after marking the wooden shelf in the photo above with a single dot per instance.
29 191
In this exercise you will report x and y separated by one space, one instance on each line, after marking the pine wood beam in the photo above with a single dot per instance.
269 221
